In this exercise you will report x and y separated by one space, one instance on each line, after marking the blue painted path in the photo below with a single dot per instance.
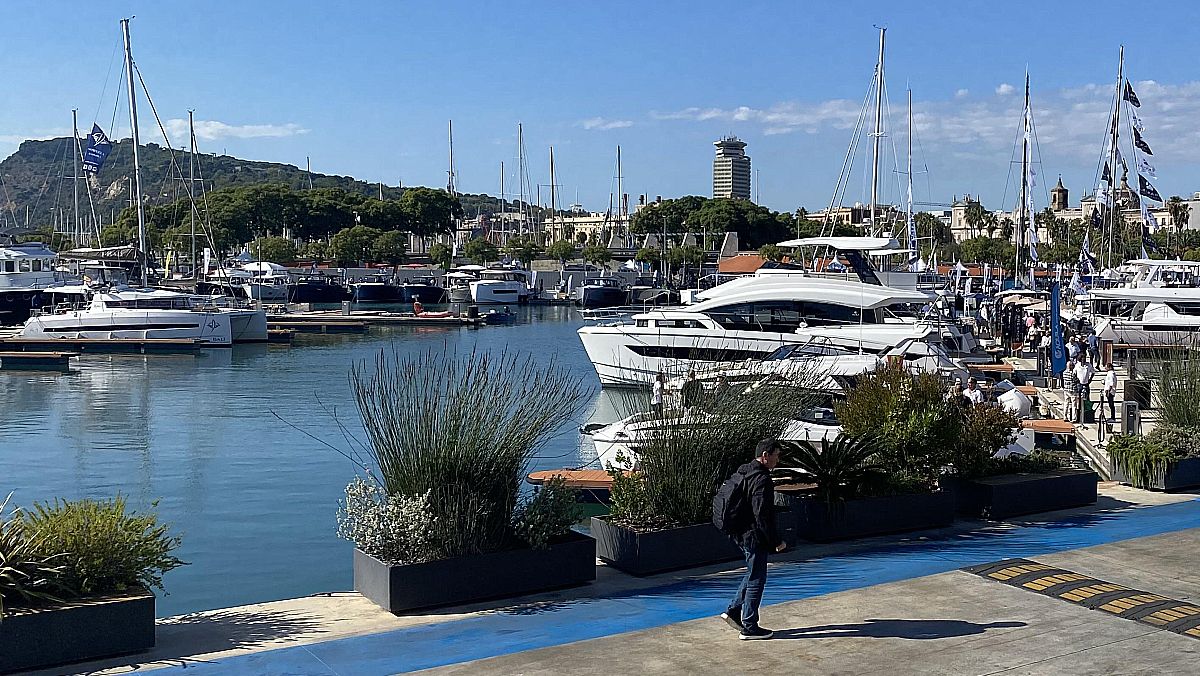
545 625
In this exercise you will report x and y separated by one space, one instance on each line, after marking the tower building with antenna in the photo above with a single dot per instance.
731 169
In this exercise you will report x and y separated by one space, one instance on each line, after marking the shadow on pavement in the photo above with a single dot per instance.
911 629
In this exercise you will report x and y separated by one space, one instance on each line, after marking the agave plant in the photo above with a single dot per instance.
26 574
841 469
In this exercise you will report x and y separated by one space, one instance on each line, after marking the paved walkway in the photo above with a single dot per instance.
900 603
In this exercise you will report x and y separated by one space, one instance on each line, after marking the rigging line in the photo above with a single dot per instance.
45 185
107 77
1037 147
848 160
1011 160
162 130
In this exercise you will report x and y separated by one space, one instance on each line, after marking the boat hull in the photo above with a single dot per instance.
215 328
602 296
17 305
376 292
318 293
499 293
430 295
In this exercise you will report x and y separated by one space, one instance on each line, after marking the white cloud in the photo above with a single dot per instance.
212 130
1070 122
961 94
604 124
1005 89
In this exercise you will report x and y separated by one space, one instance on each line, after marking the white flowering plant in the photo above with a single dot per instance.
396 529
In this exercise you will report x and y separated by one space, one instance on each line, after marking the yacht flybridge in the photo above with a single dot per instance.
752 317
1159 306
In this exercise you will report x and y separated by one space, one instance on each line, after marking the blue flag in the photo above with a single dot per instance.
97 150
1058 351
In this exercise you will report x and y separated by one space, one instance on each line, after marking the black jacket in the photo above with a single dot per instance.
760 495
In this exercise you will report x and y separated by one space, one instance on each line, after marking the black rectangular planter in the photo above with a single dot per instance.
512 572
1183 474
661 550
808 517
76 631
1007 495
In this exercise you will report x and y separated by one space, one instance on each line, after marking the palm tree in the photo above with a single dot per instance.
1178 210
975 216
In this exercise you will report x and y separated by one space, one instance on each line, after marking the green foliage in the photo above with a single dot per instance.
548 515
770 252
523 248
390 247
462 429
104 549
985 430
917 429
682 461
275 250
685 255
316 250
597 254
430 212
1179 389
842 469
1183 440
1034 462
986 250
441 255
1143 460
481 251
647 255
561 251
28 575
352 246
396 529
755 225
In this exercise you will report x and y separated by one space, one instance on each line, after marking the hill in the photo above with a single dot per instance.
35 181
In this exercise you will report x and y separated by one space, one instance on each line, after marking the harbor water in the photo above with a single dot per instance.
230 445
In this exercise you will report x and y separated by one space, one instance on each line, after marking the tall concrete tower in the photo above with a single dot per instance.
731 169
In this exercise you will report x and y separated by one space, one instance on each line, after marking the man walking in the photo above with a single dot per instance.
758 538
1084 373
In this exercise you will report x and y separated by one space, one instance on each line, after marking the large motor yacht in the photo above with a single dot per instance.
1159 306
500 286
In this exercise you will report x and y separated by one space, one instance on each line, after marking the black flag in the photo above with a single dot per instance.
1097 219
1148 190
1106 176
1130 96
1141 144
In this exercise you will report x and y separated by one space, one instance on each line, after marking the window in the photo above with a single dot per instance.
23 265
786 316
37 265
10 266
678 324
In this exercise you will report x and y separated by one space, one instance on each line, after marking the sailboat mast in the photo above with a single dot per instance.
308 170
909 223
521 177
192 184
450 172
137 176
553 190
1112 159
622 204
75 173
877 134
1023 221
503 206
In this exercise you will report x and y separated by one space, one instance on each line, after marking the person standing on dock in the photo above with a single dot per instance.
1093 343
759 537
1110 390
1070 386
1084 373
656 394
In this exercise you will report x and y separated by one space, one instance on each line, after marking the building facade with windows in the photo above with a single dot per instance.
731 169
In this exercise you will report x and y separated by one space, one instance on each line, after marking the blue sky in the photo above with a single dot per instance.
366 88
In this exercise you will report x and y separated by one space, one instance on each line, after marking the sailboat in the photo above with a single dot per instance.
142 314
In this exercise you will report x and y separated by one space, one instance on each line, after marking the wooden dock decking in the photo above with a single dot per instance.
583 479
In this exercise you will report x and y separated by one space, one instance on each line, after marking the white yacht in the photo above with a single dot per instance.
136 314
25 272
500 286
1160 305
458 282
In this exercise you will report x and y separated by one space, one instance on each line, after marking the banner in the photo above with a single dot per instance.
97 150
1058 351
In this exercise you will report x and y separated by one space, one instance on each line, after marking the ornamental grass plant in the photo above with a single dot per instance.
459 431
683 461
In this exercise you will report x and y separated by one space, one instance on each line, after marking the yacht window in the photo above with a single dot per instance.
10 266
37 265
822 314
1191 309
643 322
678 324
24 265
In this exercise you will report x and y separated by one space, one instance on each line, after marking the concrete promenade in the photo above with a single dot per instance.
900 604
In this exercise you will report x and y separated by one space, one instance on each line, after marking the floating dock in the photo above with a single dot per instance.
100 345
299 320
11 361
316 325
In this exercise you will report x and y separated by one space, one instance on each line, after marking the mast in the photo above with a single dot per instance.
878 133
622 204
1112 159
450 172
308 170
503 206
75 173
521 176
912 235
553 202
1023 220
136 193
192 184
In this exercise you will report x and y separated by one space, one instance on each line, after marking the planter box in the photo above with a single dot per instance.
809 518
1183 474
75 631
448 582
661 550
1006 495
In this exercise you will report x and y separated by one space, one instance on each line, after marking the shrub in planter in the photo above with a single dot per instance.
450 440
1143 461
75 579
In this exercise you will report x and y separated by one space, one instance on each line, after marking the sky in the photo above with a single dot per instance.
366 89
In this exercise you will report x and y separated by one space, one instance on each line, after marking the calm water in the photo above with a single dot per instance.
254 499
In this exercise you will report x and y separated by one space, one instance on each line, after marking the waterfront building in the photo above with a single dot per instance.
731 169
598 227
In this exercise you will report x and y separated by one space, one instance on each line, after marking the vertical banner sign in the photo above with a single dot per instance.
1058 351
97 151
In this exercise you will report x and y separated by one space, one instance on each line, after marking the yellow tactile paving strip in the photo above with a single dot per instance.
1159 611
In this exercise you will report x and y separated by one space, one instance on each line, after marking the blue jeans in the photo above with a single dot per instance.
749 593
